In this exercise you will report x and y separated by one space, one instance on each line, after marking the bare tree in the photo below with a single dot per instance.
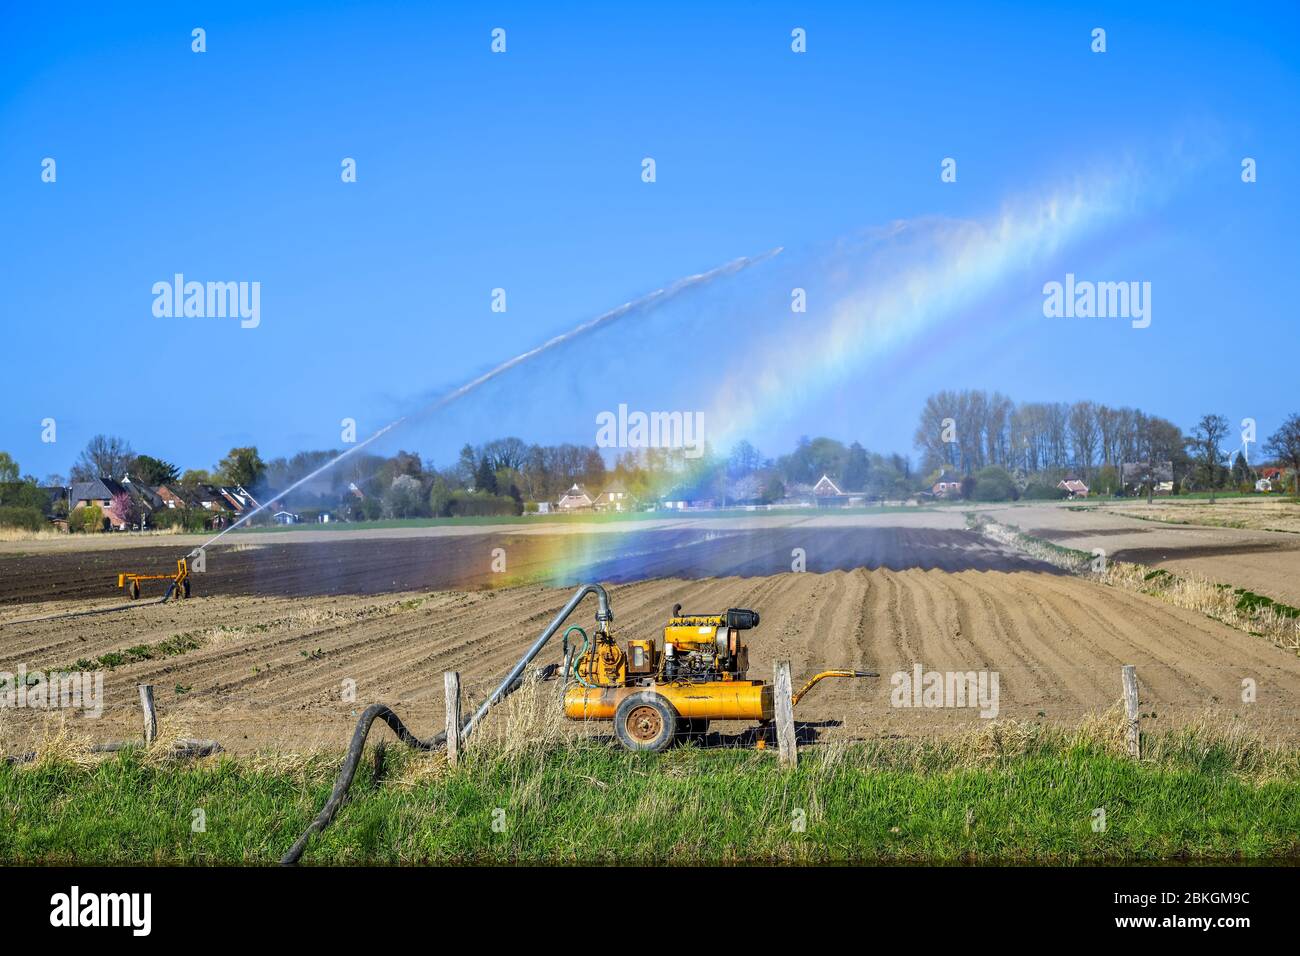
1083 435
931 432
506 453
1109 421
997 431
104 456
1207 441
1284 445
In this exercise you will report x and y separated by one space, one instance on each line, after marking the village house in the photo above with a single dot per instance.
826 493
240 499
575 499
1135 475
98 492
614 498
1074 487
826 488
172 497
147 500
209 498
947 486
1276 478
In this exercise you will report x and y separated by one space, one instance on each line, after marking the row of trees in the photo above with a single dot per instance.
1002 448
970 430
111 456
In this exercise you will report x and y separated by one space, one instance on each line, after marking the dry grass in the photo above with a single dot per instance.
529 721
1218 601
527 731
22 534
1265 513
61 744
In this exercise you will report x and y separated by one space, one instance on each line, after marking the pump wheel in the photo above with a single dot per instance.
185 588
134 590
645 721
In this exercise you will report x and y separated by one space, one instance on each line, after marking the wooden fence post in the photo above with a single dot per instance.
1129 675
451 688
150 713
783 712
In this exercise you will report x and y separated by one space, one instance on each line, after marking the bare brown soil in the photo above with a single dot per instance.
270 672
344 563
1266 562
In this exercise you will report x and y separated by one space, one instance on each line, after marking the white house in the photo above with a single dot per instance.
574 499
613 498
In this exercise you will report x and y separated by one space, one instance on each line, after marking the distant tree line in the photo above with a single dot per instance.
965 432
994 447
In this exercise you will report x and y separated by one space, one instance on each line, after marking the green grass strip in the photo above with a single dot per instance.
592 803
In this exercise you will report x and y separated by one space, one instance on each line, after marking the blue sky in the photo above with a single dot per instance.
523 171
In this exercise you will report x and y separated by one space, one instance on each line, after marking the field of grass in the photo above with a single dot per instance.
1005 792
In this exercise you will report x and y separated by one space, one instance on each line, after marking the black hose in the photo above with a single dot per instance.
349 770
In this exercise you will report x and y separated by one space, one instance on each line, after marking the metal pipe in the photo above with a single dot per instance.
603 616
822 676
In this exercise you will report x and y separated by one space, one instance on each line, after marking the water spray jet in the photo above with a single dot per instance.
644 303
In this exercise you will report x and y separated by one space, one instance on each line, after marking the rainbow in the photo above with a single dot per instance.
917 275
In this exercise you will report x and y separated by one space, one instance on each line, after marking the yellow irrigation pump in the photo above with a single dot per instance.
656 695
179 587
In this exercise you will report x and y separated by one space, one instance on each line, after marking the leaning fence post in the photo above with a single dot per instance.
150 713
451 688
783 712
1129 675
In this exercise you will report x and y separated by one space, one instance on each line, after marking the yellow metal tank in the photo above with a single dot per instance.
709 700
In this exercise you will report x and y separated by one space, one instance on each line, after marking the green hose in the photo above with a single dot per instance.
586 643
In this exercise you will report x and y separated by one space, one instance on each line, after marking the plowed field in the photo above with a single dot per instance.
270 672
